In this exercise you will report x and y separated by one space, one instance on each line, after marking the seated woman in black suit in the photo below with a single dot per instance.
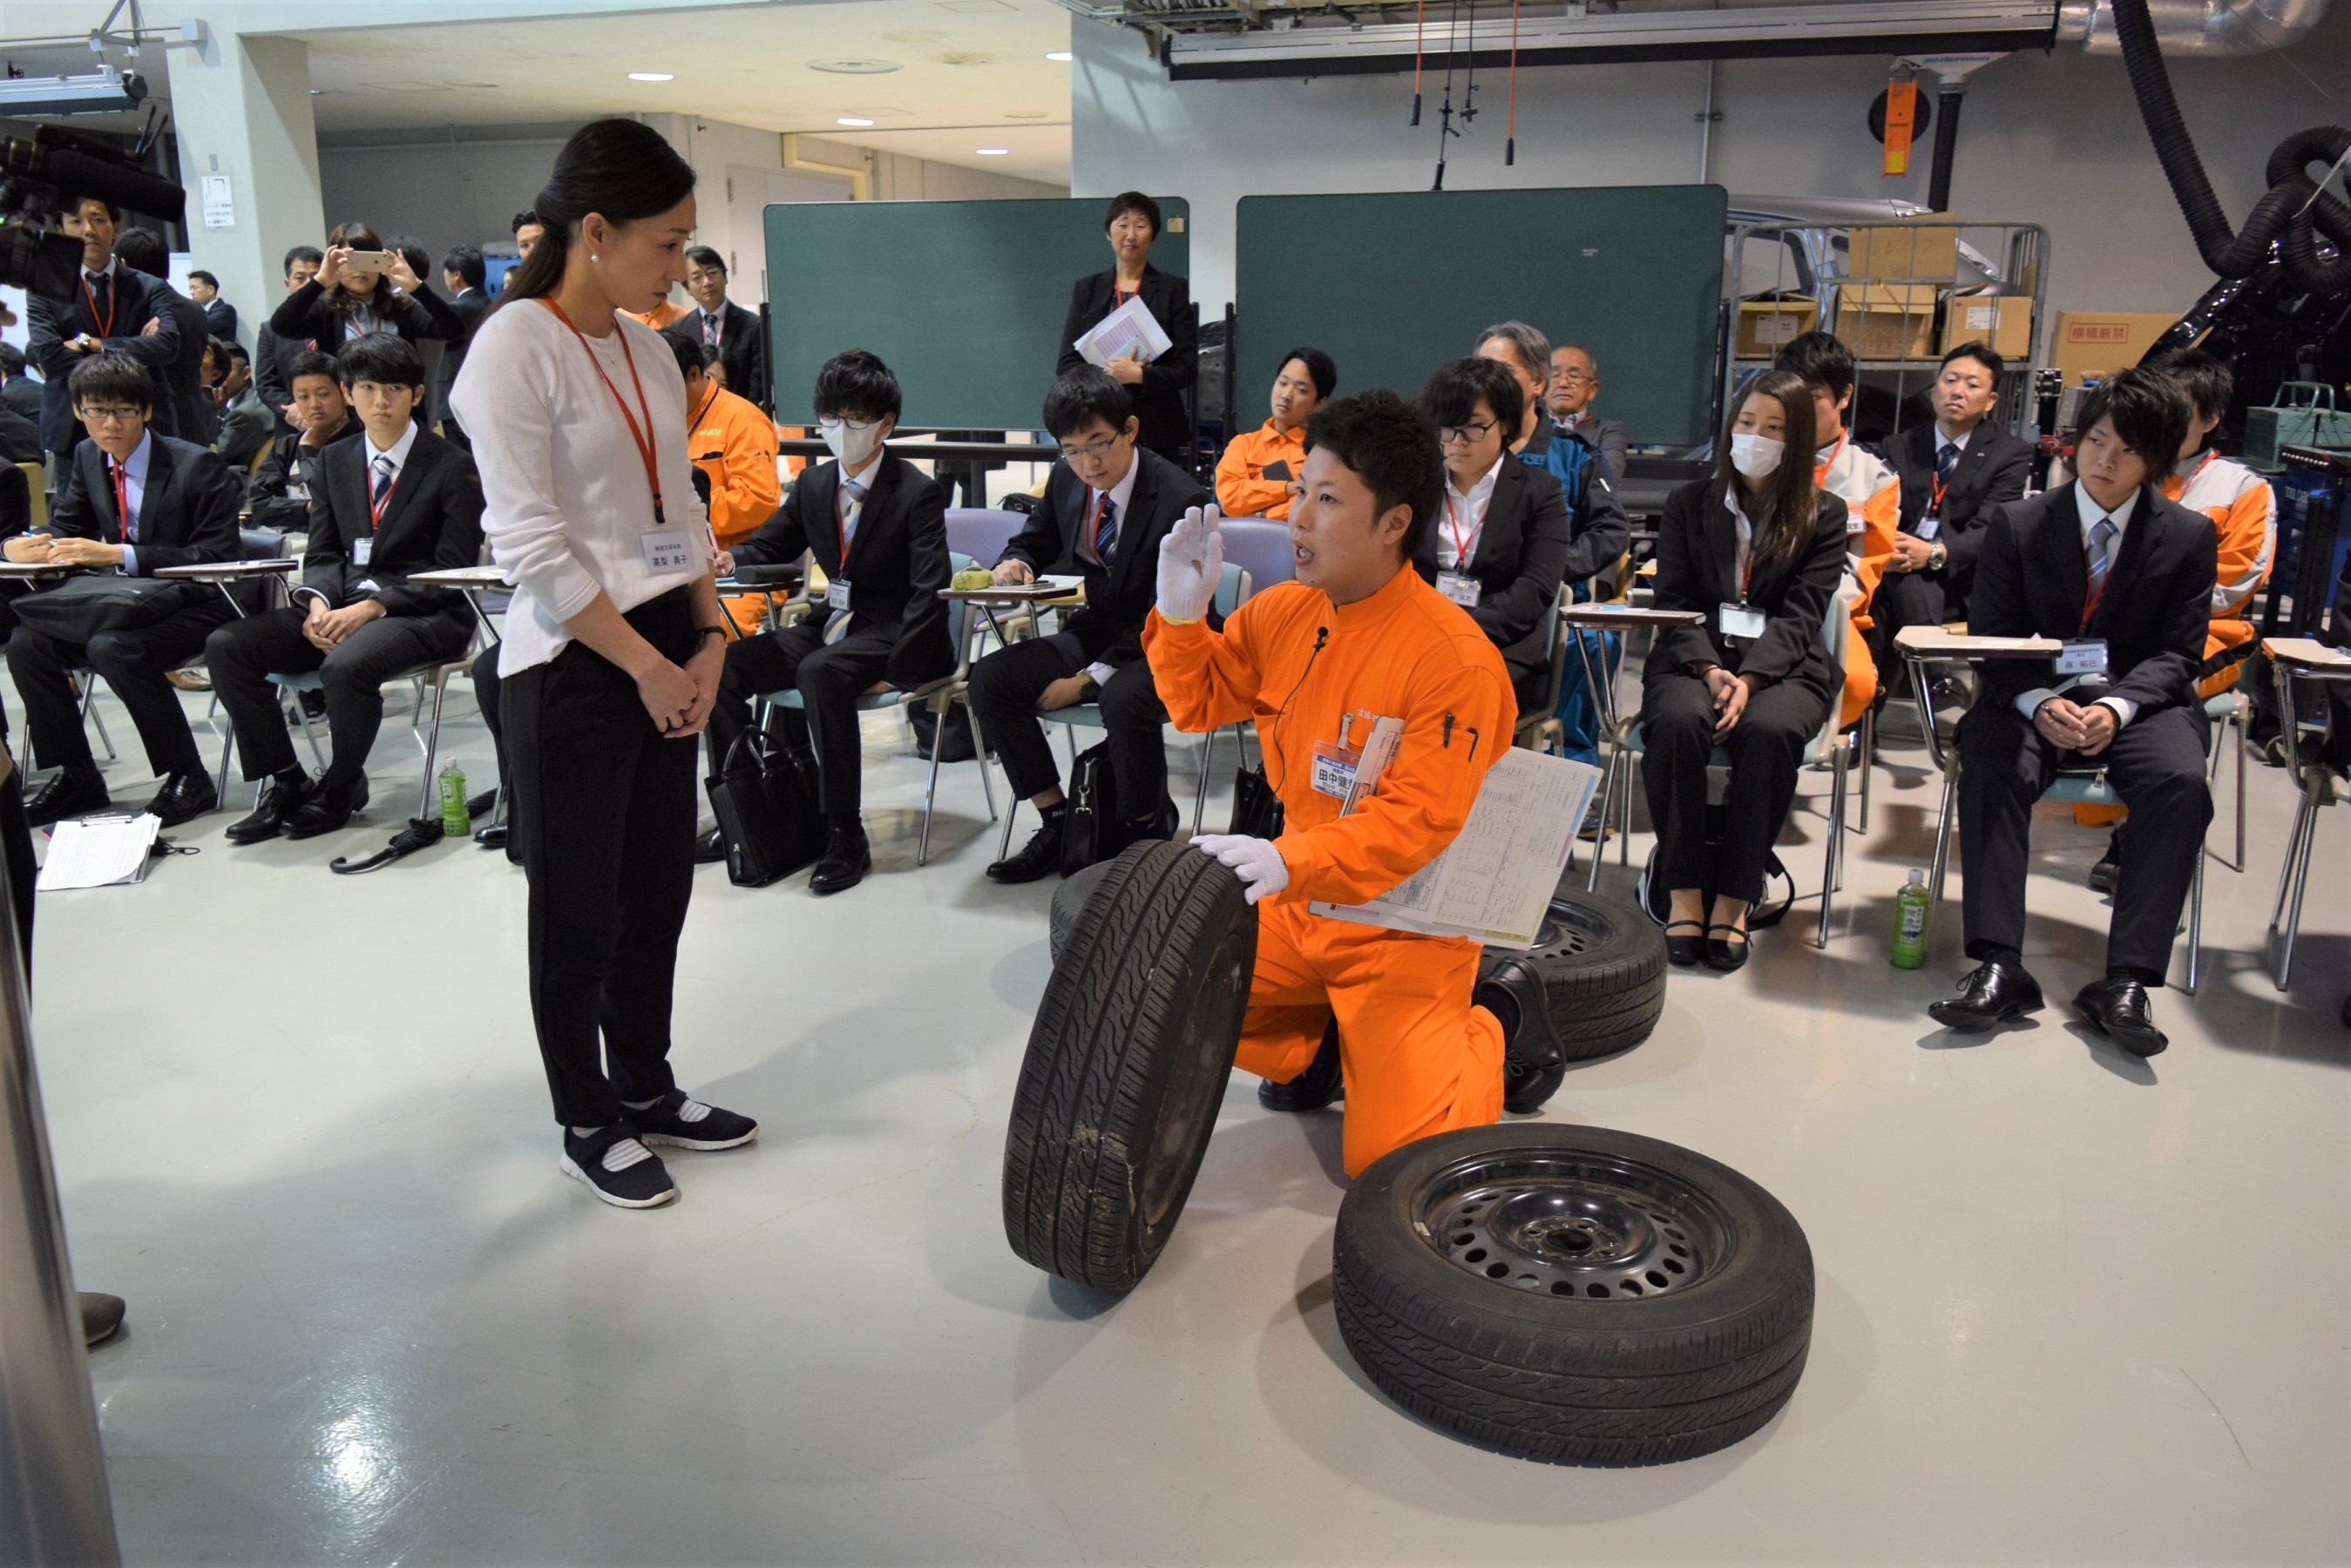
1758 550
1157 385
1500 544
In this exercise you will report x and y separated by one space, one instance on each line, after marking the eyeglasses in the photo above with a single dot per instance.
110 415
1091 448
1467 433
836 426
1569 377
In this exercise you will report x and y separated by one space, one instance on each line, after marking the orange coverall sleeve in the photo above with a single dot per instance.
1240 495
743 486
1206 679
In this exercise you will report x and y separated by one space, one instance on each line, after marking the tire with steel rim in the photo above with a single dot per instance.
1603 971
1574 1294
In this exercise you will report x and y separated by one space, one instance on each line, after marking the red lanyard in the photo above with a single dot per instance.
1118 297
2090 600
378 505
1821 475
105 327
1460 540
121 494
644 436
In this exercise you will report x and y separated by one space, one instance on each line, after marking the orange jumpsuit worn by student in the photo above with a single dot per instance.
1242 488
660 317
1872 494
733 444
2243 508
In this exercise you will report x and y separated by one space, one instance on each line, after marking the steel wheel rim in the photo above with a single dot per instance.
1563 1223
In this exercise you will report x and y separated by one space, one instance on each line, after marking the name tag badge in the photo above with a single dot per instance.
2084 656
836 593
362 551
1855 523
1928 527
1460 587
1742 620
1334 769
667 549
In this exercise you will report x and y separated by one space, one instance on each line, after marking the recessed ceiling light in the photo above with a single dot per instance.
854 68
993 151
653 76
1063 55
852 120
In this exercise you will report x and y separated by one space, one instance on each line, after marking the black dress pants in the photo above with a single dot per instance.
1907 598
486 697
1005 687
243 654
133 662
1677 722
2155 762
603 808
829 677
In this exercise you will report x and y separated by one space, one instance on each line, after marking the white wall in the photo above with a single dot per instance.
2054 139
461 188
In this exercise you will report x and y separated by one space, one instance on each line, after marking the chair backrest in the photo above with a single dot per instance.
1232 588
1836 628
982 532
34 478
959 611
1259 548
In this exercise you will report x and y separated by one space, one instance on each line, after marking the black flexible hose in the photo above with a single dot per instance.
2285 212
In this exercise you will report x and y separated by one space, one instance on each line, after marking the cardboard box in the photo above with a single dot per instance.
1768 325
2004 321
1888 320
2100 342
1928 255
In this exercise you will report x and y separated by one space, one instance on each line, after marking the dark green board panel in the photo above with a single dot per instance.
964 300
1393 284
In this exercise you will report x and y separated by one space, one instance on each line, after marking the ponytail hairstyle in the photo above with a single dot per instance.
340 298
1783 505
615 167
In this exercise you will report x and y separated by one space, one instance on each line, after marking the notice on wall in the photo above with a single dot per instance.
219 201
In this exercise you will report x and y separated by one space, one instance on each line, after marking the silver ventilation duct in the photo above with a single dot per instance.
2186 27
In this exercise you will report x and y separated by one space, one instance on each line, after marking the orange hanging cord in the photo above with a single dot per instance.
1510 117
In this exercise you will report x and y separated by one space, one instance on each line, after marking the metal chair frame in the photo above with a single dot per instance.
2315 788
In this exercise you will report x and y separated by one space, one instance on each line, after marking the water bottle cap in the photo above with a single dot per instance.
1918 878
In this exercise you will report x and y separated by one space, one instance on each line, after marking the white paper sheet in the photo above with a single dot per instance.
104 852
1131 331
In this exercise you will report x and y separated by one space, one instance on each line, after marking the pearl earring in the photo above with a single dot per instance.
592 256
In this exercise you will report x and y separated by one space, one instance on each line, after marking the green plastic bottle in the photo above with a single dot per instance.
1910 923
455 823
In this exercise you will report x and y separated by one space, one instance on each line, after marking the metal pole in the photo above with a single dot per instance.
54 1507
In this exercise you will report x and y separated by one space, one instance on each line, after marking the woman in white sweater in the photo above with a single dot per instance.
613 643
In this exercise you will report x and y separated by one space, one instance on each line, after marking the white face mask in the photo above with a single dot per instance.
1755 456
852 441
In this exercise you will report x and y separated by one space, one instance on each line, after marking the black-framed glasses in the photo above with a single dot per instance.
1469 433
1092 448
110 413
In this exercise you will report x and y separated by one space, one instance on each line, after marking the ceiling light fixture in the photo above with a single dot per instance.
993 151
653 76
854 66
1063 55
855 119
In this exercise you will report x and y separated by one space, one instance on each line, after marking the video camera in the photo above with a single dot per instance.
42 179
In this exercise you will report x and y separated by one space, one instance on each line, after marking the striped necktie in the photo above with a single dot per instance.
1106 531
382 484
1947 462
2101 556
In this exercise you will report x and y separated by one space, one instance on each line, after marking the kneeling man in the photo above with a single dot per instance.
1420 1043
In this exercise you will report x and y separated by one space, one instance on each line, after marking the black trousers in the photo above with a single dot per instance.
1765 748
603 808
1907 598
243 654
2155 762
1005 687
828 676
133 662
486 697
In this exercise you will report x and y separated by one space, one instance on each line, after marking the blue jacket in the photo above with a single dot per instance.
1598 529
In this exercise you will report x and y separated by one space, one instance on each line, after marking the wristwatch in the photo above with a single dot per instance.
717 631
1935 556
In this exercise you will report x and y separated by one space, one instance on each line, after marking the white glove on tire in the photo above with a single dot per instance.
1191 563
1256 861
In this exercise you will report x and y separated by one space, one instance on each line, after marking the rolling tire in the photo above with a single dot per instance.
1069 899
1126 1065
1571 1354
1604 969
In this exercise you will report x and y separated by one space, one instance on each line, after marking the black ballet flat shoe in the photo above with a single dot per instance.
1683 952
1725 956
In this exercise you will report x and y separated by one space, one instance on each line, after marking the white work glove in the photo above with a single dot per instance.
1256 861
1191 561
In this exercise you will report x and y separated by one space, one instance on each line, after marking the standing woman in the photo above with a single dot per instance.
346 301
1758 549
613 645
1131 224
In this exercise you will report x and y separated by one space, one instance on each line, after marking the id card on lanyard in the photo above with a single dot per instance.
664 549
1742 619
1455 582
1932 522
364 550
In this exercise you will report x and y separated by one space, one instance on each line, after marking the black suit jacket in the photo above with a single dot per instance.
419 316
187 515
897 562
195 416
1607 438
20 438
2032 576
738 349
271 354
1159 400
431 523
470 306
289 463
24 395
1993 468
1697 569
220 319
1519 562
15 502
51 325
1119 595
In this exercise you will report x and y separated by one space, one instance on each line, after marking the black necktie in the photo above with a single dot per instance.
1946 461
1106 531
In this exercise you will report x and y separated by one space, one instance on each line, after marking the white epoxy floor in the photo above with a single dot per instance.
2073 1306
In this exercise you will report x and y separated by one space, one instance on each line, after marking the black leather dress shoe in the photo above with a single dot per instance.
101 1317
1039 858
329 810
281 797
493 836
1533 1059
183 798
69 794
2109 868
1991 992
710 849
846 859
2122 1012
1316 1087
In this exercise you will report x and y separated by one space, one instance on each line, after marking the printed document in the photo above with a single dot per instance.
98 852
1129 332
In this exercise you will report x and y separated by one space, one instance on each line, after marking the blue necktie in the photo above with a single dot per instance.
382 483
1947 462
1106 531
2102 556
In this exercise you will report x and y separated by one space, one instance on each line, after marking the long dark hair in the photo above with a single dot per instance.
1784 513
340 298
616 167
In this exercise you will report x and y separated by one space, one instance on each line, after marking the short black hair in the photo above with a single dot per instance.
1392 447
858 383
524 219
702 256
1981 352
1082 396
691 353
1821 360
235 351
142 249
310 362
198 275
384 357
1321 370
12 360
2148 410
2210 384
1454 390
468 264
410 249
111 378
1137 202
310 254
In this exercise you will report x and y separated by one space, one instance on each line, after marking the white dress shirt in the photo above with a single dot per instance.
2089 513
1463 519
135 482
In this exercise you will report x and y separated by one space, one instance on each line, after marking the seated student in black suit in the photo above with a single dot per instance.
1500 546
1955 471
1107 504
278 495
878 531
138 502
2124 577
1758 549
397 502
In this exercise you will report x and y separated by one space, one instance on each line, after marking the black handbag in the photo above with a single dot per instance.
767 818
1090 826
80 607
1257 810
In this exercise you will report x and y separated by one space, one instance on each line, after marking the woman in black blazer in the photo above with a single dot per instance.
1753 678
344 302
1514 528
1131 224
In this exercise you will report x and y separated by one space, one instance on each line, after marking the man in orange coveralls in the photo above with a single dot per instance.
1402 1021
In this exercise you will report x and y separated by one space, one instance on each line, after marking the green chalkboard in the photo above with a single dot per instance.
964 300
1392 286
